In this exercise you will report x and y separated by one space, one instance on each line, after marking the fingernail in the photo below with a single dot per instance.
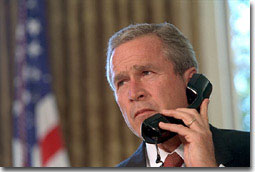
160 123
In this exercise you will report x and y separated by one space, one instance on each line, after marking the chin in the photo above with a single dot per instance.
139 120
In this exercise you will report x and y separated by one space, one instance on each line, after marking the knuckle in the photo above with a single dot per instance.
180 109
209 133
194 111
206 133
180 125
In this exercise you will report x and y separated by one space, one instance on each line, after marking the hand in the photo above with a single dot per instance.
196 138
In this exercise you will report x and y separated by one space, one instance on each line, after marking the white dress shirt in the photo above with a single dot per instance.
151 155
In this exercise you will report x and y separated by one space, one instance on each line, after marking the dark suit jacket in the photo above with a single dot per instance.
232 149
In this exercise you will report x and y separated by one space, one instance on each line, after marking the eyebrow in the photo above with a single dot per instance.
121 75
144 67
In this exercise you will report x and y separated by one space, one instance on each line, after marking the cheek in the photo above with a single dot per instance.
123 110
162 89
120 103
123 105
170 95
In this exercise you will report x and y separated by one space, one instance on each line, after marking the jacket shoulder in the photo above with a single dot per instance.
232 145
233 138
138 159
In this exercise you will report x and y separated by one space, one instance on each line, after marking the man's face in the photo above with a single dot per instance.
145 82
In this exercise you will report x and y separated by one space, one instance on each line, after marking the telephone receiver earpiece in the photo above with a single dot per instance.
198 89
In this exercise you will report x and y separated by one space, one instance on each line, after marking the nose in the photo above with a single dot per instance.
136 91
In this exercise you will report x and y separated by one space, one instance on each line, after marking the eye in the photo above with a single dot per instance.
146 72
120 83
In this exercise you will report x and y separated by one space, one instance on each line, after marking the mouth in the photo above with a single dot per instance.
143 112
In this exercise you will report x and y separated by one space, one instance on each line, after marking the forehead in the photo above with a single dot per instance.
140 44
143 48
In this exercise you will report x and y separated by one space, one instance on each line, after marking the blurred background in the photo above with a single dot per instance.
76 36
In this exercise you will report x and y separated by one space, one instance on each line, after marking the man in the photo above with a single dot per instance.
148 68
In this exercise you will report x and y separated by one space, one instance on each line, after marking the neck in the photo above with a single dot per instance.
171 144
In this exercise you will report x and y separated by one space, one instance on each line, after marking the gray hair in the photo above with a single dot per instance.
177 47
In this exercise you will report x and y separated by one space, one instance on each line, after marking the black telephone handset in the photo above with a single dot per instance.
198 88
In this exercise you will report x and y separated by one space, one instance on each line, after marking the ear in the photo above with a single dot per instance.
188 74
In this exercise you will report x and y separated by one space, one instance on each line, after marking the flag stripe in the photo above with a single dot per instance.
50 145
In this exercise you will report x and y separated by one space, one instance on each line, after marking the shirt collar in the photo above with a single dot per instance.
151 155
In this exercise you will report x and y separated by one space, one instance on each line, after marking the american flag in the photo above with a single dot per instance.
37 139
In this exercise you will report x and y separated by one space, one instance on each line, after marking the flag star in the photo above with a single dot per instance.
26 97
17 107
34 49
35 73
33 27
31 73
31 4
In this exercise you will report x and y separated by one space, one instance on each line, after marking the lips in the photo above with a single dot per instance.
140 112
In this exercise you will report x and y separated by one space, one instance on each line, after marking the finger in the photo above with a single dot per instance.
204 111
179 129
192 111
185 117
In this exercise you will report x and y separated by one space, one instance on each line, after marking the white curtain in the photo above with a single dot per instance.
205 23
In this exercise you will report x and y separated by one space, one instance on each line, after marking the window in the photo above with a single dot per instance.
239 19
